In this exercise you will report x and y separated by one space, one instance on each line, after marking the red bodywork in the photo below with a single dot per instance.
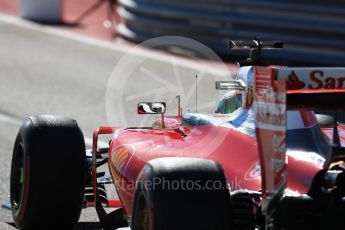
341 130
236 151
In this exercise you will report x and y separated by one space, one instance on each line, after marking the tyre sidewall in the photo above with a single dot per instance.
46 170
22 211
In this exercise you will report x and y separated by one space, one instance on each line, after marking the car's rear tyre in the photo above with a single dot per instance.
162 202
243 214
47 173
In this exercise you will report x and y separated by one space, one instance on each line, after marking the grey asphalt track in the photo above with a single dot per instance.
42 73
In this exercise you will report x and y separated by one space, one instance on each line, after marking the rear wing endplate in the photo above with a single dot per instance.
277 90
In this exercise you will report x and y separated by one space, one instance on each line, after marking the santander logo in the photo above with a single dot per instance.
313 78
293 82
320 81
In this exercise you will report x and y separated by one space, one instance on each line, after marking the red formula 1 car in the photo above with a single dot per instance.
260 161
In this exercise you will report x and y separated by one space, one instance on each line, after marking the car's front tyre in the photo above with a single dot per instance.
47 173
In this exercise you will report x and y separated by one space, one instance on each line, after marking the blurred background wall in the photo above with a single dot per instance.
313 30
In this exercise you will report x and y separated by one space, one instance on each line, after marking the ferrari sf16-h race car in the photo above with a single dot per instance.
261 161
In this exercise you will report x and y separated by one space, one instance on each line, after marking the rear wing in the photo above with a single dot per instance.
314 88
277 90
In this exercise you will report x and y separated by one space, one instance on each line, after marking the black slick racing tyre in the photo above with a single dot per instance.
181 193
243 214
47 173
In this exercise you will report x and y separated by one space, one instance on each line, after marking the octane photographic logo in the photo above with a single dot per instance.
144 75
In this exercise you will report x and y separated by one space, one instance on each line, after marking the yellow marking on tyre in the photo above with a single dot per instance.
120 157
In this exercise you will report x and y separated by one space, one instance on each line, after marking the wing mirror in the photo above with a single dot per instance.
230 85
151 108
